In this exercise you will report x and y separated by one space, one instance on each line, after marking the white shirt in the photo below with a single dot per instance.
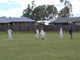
37 32
61 31
9 31
42 32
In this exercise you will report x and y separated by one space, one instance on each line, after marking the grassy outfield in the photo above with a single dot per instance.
24 46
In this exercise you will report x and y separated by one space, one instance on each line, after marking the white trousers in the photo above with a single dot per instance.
61 35
36 36
43 35
9 36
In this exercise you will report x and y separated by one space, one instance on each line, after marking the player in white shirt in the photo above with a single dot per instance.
61 33
42 34
37 34
9 34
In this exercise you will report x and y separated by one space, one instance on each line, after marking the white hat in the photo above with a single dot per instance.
70 22
60 28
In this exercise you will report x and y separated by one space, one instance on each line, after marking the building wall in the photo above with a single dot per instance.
22 23
59 24
77 23
18 23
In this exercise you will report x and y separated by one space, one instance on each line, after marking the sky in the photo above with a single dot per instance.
14 8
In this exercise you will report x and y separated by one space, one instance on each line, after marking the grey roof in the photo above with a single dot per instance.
4 20
21 19
67 20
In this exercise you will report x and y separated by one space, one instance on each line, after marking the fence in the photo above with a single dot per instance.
32 27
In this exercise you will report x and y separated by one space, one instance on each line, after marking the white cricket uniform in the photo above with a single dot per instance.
42 33
61 33
9 34
37 34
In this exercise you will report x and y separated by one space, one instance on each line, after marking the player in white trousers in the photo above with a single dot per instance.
9 34
37 34
42 34
61 33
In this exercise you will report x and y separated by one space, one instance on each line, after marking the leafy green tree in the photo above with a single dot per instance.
27 12
51 11
67 4
44 12
33 5
3 17
64 12
39 12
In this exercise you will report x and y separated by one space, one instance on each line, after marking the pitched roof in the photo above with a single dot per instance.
21 19
67 20
4 20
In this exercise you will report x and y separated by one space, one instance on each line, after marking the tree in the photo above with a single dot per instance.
51 11
27 12
38 13
67 4
3 17
44 12
33 5
64 12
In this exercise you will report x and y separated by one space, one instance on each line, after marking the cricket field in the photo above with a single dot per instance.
24 46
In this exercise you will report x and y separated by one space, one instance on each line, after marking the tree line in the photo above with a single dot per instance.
46 12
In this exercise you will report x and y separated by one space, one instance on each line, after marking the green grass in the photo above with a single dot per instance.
24 46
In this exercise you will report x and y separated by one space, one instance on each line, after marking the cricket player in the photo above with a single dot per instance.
42 34
37 34
70 30
61 33
9 34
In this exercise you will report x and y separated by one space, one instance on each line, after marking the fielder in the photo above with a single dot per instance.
70 30
42 34
61 33
37 34
9 34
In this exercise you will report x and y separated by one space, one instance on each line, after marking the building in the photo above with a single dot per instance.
66 21
4 21
17 21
